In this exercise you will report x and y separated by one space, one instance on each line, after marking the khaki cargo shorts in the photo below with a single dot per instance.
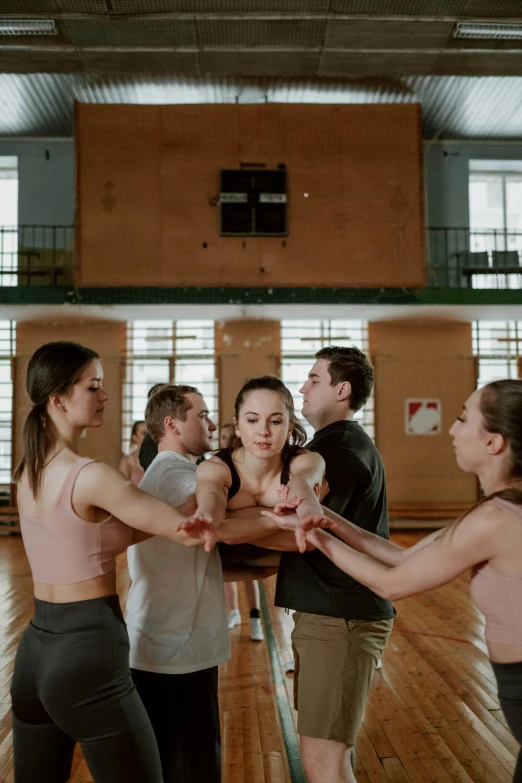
334 663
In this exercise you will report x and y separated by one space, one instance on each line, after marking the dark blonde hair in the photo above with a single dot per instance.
53 369
269 383
170 400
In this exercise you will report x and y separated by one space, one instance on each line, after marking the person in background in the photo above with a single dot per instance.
130 463
149 449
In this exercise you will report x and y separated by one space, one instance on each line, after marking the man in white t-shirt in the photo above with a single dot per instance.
176 610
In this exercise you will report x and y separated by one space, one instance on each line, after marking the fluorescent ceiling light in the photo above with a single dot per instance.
27 27
488 30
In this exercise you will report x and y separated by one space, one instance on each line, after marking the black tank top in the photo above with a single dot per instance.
226 457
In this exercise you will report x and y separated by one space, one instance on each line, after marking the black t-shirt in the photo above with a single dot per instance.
148 452
355 475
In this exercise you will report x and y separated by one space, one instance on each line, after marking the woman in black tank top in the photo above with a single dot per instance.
265 454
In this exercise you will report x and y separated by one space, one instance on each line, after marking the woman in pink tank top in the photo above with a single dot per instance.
487 438
71 680
130 463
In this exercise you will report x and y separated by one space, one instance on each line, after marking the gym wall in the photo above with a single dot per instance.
148 187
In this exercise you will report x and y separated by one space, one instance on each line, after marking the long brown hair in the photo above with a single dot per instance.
501 407
53 369
298 438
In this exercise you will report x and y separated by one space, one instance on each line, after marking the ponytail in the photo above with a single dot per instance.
37 445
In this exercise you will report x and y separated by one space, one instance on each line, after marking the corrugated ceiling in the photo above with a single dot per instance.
318 51
453 107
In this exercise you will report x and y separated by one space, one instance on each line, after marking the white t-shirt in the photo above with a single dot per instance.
176 609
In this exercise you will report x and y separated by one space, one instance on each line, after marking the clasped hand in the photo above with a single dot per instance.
285 515
200 526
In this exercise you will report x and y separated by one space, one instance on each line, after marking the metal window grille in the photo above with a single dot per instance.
498 346
7 352
300 340
167 352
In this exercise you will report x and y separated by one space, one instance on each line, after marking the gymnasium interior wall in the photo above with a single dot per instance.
148 187
105 337
411 359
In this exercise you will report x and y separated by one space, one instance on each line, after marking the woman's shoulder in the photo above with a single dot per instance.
303 459
489 519
215 466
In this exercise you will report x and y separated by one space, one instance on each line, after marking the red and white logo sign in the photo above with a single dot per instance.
423 417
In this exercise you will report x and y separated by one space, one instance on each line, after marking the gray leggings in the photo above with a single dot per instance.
509 681
72 683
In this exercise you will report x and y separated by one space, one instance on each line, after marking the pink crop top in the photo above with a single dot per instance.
499 597
63 548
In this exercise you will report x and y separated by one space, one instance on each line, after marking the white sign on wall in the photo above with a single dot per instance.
423 416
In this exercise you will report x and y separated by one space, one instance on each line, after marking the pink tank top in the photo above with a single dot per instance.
63 548
499 597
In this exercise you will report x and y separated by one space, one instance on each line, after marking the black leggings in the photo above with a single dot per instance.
509 681
184 712
72 683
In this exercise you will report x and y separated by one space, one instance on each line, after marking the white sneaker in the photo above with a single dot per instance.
379 664
256 629
234 618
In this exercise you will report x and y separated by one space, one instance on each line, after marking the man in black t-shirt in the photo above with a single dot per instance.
341 627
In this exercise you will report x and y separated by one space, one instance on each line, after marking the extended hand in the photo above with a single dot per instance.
301 527
200 526
285 507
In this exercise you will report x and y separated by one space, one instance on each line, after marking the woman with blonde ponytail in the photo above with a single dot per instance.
487 438
71 680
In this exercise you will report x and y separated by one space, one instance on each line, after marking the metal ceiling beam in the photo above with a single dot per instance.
240 48
257 17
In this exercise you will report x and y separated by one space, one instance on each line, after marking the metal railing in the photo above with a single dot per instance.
456 257
36 255
470 258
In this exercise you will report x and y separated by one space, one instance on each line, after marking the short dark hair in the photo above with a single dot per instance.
154 389
167 401
352 365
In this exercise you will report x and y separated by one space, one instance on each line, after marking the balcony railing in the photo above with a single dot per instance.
36 255
455 257
470 258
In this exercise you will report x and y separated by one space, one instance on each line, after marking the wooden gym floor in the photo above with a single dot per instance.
433 714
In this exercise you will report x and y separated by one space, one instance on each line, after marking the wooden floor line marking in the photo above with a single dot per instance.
287 724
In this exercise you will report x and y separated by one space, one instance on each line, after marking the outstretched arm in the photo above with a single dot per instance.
247 526
100 486
363 541
381 549
213 481
306 476
465 544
